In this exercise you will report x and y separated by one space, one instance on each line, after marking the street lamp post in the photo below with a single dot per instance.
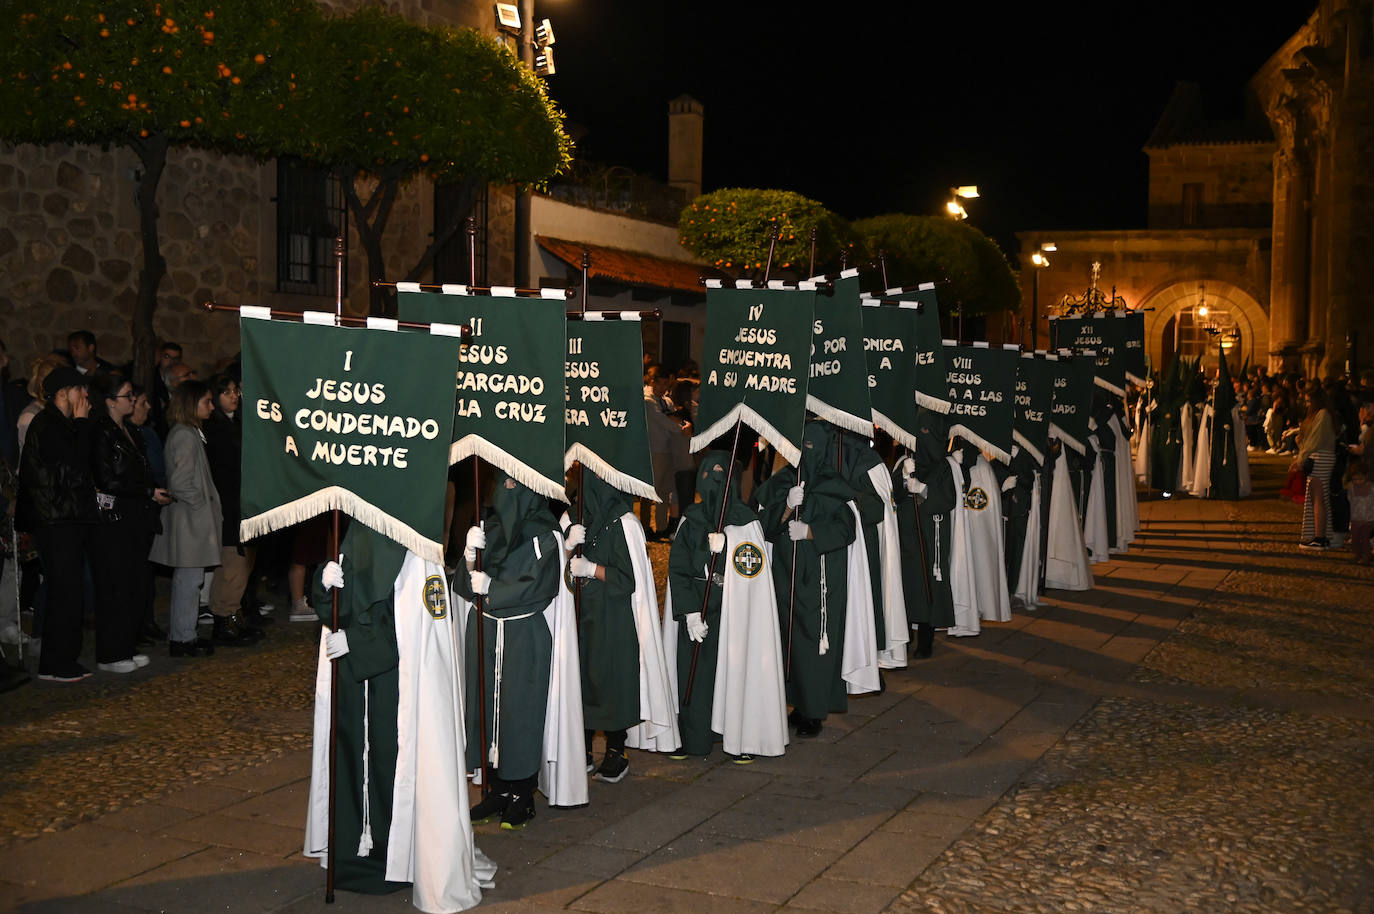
1038 261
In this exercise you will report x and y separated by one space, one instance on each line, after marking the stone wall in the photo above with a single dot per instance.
1237 184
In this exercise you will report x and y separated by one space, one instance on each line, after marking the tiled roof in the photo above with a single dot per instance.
630 267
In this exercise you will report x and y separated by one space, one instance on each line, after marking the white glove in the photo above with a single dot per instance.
332 575
582 567
916 487
577 535
908 466
563 521
697 628
477 539
798 530
716 542
794 495
335 643
481 582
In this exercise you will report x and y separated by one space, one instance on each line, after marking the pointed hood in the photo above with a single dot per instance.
518 514
711 490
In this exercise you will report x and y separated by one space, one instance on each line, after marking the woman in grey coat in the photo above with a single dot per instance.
190 538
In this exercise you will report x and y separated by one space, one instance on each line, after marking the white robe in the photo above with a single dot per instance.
893 654
1027 588
1142 452
1066 558
1202 456
859 661
1096 537
430 843
1188 455
978 551
658 730
1127 509
563 774
749 698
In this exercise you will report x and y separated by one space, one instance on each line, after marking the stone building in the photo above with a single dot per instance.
1259 227
231 230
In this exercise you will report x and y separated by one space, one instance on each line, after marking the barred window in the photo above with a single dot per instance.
311 213
451 260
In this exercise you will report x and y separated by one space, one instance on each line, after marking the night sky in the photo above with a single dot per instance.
881 107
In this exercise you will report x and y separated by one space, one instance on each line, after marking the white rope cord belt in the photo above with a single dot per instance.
365 839
825 616
939 576
494 752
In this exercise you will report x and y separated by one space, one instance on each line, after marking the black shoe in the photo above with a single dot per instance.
809 728
591 762
794 718
614 767
197 648
71 672
492 805
229 633
518 812
254 619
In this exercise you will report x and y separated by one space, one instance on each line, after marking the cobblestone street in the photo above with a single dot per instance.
1195 734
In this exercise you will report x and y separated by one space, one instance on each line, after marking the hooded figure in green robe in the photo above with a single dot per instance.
689 563
365 714
1166 419
925 571
1225 462
609 643
522 561
820 528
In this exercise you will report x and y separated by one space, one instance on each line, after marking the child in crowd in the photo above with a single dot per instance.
1361 494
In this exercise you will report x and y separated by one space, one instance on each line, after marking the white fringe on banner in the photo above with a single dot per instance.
476 445
1135 379
742 413
1070 440
934 403
972 437
337 498
580 453
833 415
899 434
1108 386
1028 447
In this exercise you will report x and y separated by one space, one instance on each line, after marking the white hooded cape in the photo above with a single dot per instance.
893 654
657 702
1028 581
1096 537
430 842
1066 559
1127 510
563 774
859 662
1188 456
978 571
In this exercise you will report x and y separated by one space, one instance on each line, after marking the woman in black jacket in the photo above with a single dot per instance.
223 448
127 498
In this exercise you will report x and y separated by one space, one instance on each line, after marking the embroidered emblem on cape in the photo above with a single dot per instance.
976 499
435 600
568 575
748 559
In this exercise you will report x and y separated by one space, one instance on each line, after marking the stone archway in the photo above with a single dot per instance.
1168 304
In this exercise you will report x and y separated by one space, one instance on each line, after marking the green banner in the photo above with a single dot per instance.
1072 401
1101 335
1034 396
981 383
507 408
838 389
756 365
925 346
901 353
1132 336
346 419
607 431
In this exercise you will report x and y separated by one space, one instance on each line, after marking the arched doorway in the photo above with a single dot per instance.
1194 317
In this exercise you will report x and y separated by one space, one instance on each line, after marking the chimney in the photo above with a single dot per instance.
685 118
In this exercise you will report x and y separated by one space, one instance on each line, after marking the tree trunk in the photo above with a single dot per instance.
371 219
152 153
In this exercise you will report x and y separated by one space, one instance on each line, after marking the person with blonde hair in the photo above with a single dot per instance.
190 538
38 373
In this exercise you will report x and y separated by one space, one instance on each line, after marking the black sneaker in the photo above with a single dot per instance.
518 812
809 728
72 672
491 806
743 758
614 767
1320 542
591 762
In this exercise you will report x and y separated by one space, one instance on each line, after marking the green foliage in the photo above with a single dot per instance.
394 98
729 228
198 72
932 248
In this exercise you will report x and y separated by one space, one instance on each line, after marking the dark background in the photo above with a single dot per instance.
881 107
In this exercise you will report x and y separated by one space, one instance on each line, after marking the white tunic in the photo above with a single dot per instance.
1066 559
1028 581
978 550
893 654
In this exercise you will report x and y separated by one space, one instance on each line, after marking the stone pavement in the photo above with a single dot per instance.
1194 734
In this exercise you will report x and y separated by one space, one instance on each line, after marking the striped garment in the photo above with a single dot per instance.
1318 487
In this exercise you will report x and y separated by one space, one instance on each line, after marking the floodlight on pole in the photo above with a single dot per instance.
543 62
543 34
508 17
955 210
1049 247
967 191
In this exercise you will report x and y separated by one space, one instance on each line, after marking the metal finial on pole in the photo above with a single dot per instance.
338 275
811 267
882 264
772 247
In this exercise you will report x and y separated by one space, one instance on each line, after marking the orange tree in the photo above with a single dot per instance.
935 248
151 75
388 100
729 228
